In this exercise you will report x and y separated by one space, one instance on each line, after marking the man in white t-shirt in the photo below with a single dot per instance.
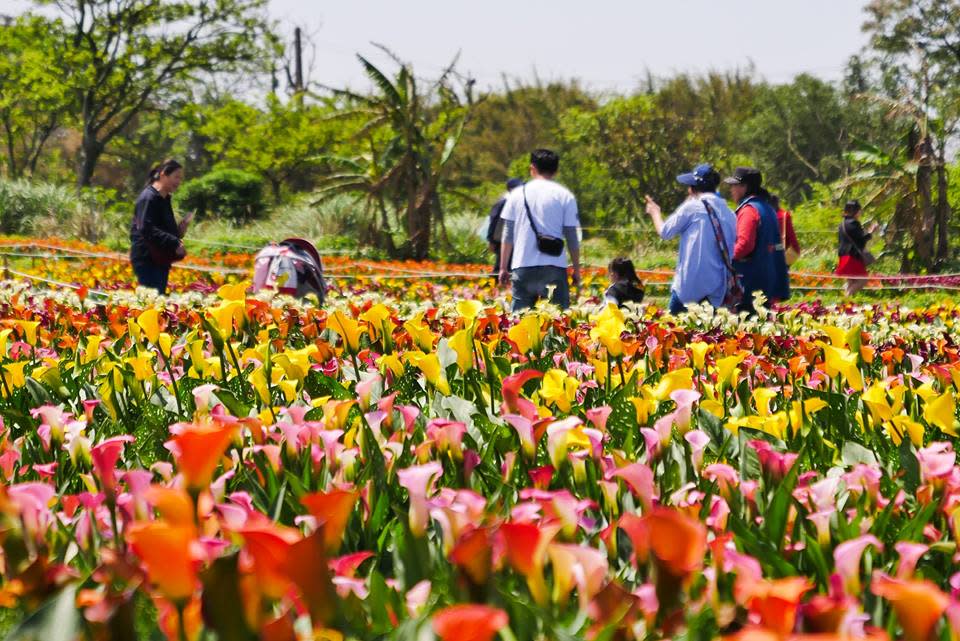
546 209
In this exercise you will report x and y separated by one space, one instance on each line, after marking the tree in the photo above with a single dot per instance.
798 133
916 50
33 102
508 125
129 55
280 142
630 147
411 135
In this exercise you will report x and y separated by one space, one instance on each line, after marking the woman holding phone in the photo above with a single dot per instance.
155 236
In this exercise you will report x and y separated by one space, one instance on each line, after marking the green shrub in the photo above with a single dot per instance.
25 206
231 194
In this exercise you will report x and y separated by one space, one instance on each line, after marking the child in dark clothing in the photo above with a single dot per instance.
626 286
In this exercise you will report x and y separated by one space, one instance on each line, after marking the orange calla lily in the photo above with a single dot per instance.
332 510
918 604
197 450
776 602
173 505
469 622
165 551
268 546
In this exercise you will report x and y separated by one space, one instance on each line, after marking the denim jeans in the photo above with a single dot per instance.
152 275
530 285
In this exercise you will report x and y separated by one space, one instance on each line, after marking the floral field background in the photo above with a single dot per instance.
411 462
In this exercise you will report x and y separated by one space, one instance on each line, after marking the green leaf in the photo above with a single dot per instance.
234 405
221 594
910 466
775 519
57 619
854 453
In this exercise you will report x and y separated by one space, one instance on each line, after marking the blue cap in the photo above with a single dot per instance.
702 176
513 183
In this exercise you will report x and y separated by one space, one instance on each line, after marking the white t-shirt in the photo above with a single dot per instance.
553 207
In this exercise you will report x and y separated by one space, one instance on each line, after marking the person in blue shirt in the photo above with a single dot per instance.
701 274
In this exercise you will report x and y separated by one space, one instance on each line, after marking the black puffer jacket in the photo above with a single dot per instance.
853 240
154 236
624 292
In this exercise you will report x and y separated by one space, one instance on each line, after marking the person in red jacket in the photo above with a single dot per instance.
790 243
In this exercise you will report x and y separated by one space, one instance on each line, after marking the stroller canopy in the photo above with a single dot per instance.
292 266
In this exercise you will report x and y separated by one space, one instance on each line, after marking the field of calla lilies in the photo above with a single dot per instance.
411 462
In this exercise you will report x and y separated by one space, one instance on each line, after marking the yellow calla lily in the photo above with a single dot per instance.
165 344
559 388
672 381
941 411
4 335
644 408
236 291
92 349
429 364
348 330
526 334
226 315
608 333
728 370
390 362
875 398
142 365
713 407
842 361
900 425
296 363
379 320
699 351
29 330
469 310
13 374
761 399
462 343
420 333
149 322
837 335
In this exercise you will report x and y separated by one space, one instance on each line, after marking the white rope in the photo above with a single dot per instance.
58 283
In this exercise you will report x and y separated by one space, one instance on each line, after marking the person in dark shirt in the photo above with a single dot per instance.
853 244
626 287
155 236
495 224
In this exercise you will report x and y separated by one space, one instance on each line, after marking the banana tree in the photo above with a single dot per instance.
409 137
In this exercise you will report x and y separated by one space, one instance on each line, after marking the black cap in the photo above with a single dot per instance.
852 207
749 176
513 183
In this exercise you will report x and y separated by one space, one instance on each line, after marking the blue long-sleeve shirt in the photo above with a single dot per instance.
701 272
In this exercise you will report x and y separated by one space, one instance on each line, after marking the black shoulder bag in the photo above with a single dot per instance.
549 245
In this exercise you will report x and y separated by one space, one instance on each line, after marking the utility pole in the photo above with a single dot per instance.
298 65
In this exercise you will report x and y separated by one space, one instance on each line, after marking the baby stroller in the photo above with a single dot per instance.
292 267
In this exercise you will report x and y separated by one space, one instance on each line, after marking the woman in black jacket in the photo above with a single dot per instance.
853 243
155 237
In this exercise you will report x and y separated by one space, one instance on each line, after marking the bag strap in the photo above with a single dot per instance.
526 205
718 232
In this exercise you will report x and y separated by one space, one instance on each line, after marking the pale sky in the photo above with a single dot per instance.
607 44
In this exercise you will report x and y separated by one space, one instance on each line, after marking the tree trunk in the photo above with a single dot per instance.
419 230
923 227
90 152
943 209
